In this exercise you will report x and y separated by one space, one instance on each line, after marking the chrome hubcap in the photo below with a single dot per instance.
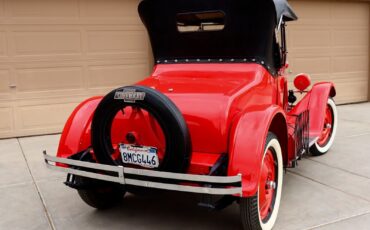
270 184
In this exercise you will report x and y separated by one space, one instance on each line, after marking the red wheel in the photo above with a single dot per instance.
326 139
137 126
328 127
260 211
267 185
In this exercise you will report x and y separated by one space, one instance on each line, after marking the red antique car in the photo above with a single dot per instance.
215 117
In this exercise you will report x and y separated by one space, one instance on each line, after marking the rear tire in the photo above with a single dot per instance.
253 212
324 143
101 195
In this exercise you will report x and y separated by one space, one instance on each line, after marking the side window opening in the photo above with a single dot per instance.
280 41
200 21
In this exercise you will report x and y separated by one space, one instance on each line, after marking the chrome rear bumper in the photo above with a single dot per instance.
214 185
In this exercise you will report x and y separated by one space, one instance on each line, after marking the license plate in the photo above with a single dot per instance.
139 155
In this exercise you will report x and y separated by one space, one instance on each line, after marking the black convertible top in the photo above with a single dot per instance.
215 30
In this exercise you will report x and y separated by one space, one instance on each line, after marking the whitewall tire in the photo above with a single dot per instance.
261 210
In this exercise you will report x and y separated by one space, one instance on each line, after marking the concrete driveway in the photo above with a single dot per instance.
328 192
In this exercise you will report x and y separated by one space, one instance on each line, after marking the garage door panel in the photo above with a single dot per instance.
58 53
110 8
43 8
357 88
49 116
115 41
3 44
349 51
115 75
309 38
5 82
313 52
2 8
343 12
49 79
351 64
6 121
312 65
46 42
351 37
309 11
340 78
332 44
350 77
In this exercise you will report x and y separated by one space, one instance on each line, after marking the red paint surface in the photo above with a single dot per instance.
327 129
210 96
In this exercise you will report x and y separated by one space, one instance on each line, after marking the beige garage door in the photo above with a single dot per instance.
331 42
55 53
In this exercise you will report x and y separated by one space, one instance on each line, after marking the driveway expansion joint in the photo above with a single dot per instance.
329 186
338 220
341 169
47 214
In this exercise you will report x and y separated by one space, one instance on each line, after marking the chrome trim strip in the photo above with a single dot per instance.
186 188
85 174
187 177
149 184
149 173
84 164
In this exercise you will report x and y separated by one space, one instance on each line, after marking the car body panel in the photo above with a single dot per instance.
210 95
247 141
76 133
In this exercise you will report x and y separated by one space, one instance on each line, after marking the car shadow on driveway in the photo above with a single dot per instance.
162 210
169 210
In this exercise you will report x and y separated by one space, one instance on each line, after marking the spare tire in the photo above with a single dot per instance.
177 151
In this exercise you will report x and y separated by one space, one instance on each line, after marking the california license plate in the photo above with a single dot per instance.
139 155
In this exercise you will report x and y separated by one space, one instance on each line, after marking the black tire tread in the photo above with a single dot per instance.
315 152
102 195
249 213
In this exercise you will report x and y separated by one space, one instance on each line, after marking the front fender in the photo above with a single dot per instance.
315 102
247 142
76 133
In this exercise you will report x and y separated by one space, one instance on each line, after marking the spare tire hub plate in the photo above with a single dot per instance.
144 156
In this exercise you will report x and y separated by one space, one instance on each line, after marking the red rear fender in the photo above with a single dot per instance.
76 132
247 142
